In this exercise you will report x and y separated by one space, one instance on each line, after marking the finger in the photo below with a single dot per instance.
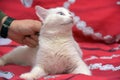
30 42
29 45
27 32
37 26
35 37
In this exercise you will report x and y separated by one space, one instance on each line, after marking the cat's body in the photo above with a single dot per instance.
57 52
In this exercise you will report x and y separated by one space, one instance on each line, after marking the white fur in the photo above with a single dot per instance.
57 52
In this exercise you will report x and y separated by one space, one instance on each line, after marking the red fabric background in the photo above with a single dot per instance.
101 15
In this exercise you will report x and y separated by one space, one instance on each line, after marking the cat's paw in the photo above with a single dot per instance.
2 62
29 76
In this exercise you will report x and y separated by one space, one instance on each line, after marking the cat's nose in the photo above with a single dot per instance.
71 17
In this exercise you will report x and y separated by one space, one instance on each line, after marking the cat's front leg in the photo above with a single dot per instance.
81 68
35 73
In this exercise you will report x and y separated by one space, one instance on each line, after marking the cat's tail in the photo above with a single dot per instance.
2 62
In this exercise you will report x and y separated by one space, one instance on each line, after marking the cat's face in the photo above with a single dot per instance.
55 16
60 16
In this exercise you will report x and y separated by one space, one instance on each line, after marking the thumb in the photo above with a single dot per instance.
37 25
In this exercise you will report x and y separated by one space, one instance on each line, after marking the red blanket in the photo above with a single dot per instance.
102 15
103 61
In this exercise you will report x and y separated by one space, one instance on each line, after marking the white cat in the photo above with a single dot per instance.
57 52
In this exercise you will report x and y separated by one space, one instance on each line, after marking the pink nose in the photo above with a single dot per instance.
71 17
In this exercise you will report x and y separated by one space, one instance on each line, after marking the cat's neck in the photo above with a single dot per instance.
60 30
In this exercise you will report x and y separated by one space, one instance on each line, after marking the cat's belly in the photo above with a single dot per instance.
58 64
57 57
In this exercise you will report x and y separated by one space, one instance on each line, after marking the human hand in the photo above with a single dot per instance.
24 32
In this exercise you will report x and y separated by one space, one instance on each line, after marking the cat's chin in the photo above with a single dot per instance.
68 23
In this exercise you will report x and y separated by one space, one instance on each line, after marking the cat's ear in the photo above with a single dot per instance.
41 12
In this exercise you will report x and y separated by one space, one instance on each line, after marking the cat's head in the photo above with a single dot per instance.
55 16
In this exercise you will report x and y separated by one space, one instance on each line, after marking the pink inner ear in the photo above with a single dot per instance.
41 19
41 12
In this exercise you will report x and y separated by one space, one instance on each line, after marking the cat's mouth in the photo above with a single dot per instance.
70 22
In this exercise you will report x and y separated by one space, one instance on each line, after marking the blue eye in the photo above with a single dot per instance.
61 13
69 13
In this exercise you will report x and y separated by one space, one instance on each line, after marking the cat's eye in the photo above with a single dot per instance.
61 13
69 13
